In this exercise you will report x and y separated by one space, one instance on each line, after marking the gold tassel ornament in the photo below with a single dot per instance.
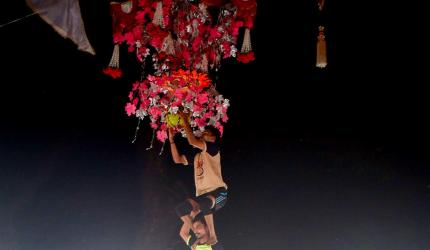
321 49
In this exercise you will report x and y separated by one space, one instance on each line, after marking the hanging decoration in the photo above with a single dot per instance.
185 44
321 60
321 49
122 20
181 34
321 4
161 98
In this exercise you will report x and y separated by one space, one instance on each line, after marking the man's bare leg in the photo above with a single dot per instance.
210 223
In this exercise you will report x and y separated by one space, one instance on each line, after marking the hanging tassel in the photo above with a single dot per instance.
127 7
246 55
114 61
169 45
321 4
136 132
113 70
246 45
204 64
321 49
158 15
162 148
204 10
152 140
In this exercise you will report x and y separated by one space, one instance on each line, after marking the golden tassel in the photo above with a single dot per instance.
321 49
246 45
127 7
321 4
158 15
114 61
205 64
169 45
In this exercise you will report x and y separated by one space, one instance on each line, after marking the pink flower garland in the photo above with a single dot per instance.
190 91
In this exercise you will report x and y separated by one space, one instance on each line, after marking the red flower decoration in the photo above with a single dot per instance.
186 90
113 72
130 109
246 58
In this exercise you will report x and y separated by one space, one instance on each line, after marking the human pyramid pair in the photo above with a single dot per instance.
198 230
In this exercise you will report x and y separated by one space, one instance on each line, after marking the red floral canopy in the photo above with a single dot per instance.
184 42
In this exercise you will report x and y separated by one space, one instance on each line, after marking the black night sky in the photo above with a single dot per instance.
314 159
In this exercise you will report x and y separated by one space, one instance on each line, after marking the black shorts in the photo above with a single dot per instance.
220 195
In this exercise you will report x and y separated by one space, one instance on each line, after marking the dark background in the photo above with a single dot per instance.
314 159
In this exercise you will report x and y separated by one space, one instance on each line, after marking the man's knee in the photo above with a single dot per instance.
183 208
207 204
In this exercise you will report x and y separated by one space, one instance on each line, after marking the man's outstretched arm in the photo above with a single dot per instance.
177 158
